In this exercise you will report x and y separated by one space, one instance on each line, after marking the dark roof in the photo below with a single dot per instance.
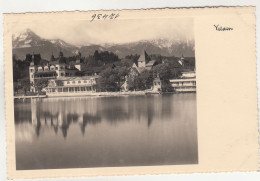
71 70
190 60
78 78
45 72
174 62
150 63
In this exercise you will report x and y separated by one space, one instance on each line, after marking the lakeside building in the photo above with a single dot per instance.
187 82
71 77
125 86
156 87
71 86
53 69
185 63
144 62
157 84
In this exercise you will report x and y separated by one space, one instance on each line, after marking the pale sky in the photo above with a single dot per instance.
84 32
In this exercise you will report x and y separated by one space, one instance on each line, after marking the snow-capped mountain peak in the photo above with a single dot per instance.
60 43
26 34
26 38
28 42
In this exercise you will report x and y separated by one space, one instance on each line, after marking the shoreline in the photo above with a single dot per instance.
97 94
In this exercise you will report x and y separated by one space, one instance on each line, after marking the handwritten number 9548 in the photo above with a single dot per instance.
104 16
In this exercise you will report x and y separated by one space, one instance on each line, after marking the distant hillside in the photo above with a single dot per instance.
29 42
159 46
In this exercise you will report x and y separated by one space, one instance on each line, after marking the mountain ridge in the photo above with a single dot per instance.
29 42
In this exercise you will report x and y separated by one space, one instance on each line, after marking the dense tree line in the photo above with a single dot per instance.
19 68
112 78
101 58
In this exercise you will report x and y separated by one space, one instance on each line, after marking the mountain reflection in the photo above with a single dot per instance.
58 114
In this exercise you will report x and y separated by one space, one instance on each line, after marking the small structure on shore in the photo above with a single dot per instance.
157 84
125 87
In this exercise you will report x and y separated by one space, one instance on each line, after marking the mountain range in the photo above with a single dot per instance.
29 42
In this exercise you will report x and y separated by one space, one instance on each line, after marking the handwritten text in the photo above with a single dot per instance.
220 28
104 16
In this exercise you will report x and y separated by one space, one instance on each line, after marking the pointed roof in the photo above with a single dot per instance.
143 57
134 65
150 63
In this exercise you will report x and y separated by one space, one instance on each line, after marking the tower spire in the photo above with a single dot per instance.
52 57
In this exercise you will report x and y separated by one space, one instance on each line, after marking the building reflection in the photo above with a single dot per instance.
59 114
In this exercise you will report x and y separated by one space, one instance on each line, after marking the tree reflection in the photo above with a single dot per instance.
38 128
61 113
88 119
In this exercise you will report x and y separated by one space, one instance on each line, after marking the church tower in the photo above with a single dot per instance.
143 59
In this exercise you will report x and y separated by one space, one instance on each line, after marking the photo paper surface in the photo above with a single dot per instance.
131 92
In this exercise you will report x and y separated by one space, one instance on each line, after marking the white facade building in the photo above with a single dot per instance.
187 83
71 86
49 71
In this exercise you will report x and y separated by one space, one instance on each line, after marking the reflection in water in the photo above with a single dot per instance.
115 131
62 112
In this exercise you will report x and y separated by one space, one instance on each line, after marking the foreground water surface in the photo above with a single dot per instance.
85 132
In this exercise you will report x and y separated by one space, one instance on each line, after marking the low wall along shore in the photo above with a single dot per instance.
72 94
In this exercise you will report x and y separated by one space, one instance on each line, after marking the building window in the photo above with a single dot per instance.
73 82
61 74
79 81
68 82
85 81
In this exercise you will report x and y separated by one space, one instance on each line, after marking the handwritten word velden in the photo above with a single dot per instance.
104 16
222 28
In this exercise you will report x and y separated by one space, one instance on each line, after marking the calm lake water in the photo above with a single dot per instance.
85 132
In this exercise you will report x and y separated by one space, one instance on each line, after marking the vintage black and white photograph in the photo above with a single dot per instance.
104 92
